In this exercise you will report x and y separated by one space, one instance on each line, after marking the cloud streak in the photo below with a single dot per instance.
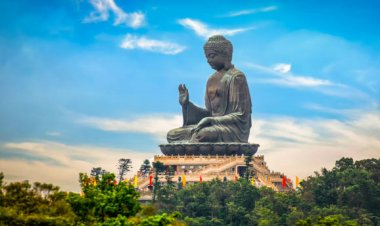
284 77
295 146
70 160
136 42
252 11
203 30
281 75
288 143
157 126
103 8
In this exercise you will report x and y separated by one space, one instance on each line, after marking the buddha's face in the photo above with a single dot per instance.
216 60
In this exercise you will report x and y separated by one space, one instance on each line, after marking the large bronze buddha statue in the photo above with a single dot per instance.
227 116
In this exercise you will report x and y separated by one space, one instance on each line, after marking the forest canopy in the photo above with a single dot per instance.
348 194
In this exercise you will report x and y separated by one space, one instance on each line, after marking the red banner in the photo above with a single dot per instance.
283 181
150 180
200 178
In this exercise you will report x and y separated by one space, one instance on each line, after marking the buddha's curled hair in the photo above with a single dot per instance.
219 44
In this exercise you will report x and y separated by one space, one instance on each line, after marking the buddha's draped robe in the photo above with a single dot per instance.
231 111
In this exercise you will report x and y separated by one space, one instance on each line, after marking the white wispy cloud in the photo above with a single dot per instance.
252 11
298 81
282 75
157 126
165 47
202 30
300 146
324 109
69 159
293 145
102 13
282 68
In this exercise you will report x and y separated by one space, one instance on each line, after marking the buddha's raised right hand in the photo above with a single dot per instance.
183 95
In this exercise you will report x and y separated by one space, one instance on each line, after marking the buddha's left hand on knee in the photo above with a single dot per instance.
208 121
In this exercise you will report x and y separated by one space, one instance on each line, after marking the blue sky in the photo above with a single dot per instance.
86 82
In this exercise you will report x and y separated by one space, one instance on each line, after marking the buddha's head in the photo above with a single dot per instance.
218 51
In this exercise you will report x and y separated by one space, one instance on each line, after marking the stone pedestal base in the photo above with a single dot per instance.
227 149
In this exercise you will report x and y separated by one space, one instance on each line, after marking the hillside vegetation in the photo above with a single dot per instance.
348 194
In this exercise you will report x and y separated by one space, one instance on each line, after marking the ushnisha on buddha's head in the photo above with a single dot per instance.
218 51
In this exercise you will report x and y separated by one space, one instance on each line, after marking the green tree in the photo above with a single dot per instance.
1 179
348 184
166 194
1 188
248 165
124 167
104 201
97 172
215 202
145 168
41 204
344 164
159 168
265 216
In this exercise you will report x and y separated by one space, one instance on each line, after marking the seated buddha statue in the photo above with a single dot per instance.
227 114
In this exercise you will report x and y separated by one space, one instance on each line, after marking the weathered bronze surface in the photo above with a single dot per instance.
227 116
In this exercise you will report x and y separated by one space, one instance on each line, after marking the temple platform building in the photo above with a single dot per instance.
202 168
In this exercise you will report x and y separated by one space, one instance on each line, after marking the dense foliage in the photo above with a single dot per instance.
348 194
40 204
104 201
103 198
